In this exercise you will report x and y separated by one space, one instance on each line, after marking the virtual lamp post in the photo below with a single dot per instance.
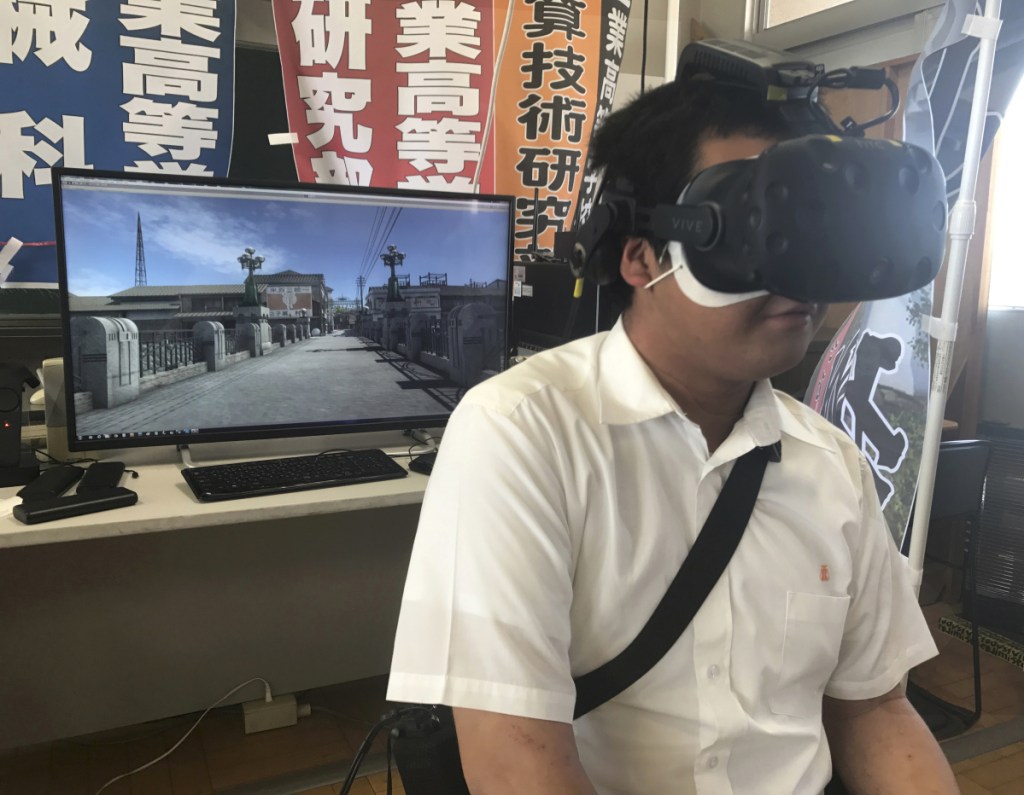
252 264
396 313
393 258
252 327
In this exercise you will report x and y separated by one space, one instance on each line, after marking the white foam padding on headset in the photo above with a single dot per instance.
696 291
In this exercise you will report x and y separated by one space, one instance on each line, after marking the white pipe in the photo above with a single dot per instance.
961 229
671 39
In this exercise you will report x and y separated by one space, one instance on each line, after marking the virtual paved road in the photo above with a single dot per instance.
321 379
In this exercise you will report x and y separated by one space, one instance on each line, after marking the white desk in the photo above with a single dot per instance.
160 608
166 503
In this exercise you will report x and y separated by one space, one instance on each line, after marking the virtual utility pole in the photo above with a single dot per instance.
140 254
360 281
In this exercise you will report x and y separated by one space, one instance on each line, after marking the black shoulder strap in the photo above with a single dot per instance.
701 569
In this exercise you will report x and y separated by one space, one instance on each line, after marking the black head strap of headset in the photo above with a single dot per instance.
616 216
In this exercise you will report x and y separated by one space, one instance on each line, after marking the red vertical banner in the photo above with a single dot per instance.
389 93
453 95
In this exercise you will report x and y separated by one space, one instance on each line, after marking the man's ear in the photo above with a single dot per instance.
639 264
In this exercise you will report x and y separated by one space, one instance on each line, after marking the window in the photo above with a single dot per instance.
778 12
784 24
1006 287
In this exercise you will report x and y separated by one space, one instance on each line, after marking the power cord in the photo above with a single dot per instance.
421 438
76 461
499 59
267 696
643 51
63 461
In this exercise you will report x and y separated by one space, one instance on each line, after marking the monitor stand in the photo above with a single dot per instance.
186 456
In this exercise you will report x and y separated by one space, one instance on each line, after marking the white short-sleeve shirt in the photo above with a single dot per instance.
566 495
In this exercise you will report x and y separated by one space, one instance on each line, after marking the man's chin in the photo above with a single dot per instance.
782 362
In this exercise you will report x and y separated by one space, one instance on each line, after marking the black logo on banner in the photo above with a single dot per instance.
855 402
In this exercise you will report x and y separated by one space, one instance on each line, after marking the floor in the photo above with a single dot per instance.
948 676
313 756
218 757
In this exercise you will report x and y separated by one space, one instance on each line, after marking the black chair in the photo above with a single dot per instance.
959 494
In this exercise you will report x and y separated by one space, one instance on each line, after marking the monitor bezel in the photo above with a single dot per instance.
258 432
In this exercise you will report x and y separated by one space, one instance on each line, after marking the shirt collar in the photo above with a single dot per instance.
796 424
629 393
627 389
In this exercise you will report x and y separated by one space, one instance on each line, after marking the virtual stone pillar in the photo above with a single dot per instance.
473 343
210 346
107 352
248 337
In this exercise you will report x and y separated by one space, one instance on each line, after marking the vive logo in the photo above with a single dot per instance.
688 225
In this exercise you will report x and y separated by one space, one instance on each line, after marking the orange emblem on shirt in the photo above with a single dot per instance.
824 572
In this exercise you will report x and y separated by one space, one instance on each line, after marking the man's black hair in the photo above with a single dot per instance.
653 144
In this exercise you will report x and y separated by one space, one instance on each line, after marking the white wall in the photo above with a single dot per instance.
724 19
898 38
658 11
255 23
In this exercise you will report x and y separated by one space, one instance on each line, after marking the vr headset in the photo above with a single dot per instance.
826 217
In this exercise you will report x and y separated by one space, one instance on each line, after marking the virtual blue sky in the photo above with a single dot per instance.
198 239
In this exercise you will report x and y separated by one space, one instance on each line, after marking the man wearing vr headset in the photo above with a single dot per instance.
570 488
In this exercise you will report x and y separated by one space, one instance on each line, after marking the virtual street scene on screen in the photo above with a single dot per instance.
191 313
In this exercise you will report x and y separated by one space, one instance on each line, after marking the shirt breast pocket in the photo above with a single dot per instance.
810 652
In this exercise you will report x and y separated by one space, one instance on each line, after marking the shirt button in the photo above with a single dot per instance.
713 671
712 762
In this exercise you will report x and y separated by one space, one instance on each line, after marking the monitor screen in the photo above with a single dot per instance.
200 310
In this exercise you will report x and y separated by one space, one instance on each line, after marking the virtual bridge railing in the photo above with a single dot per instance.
435 338
160 351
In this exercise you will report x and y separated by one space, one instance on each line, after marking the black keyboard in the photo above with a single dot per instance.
280 475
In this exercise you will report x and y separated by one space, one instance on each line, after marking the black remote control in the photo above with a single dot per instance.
51 483
100 476
75 505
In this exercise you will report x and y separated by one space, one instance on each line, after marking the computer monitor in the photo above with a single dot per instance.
197 310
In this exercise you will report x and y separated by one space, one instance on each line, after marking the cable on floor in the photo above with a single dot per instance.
266 694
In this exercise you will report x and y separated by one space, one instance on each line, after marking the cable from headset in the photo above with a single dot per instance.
386 721
853 78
